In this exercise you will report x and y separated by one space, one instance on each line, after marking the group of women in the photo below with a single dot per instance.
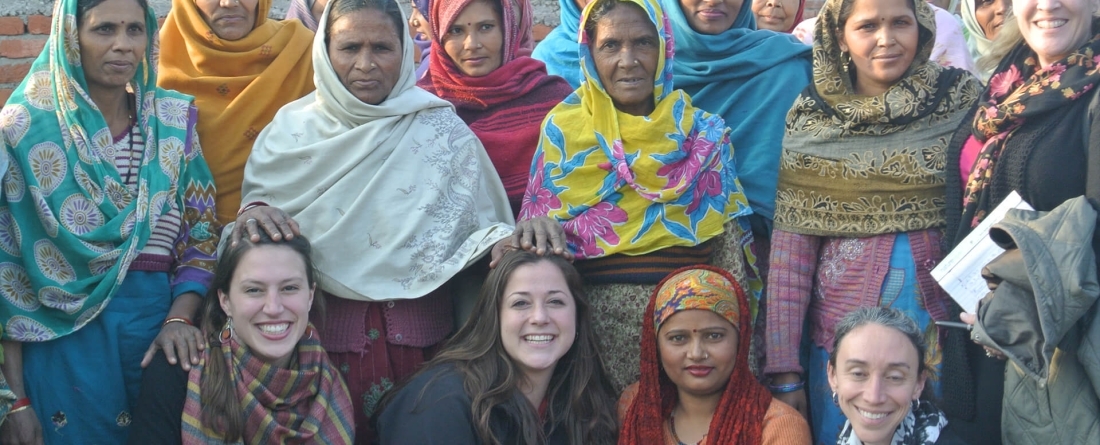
664 161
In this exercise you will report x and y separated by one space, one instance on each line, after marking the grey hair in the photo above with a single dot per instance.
885 317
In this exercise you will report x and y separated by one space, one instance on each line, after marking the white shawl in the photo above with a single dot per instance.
396 198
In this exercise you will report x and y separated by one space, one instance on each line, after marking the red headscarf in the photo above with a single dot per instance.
739 417
505 108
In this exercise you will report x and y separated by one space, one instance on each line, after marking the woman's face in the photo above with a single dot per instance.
776 15
229 19
366 54
476 39
268 301
991 15
626 49
881 36
698 349
711 16
419 23
538 318
112 43
876 379
1055 28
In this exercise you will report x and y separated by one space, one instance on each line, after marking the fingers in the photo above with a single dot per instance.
166 346
526 241
968 318
540 239
497 252
148 357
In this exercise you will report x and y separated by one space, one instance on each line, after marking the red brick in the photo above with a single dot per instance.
11 26
540 31
14 72
5 93
21 48
39 24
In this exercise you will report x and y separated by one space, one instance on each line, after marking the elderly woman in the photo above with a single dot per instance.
696 384
524 370
480 62
860 207
641 181
241 68
372 158
107 230
264 357
879 378
778 15
982 20
1031 132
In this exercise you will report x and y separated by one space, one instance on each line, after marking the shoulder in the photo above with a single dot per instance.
627 399
783 425
435 397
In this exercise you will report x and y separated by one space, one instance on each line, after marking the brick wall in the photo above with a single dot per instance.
22 37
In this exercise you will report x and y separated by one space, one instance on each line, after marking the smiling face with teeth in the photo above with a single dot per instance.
538 319
1055 28
269 300
876 377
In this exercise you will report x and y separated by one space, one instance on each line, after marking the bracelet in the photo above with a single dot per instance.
177 320
250 206
786 387
20 405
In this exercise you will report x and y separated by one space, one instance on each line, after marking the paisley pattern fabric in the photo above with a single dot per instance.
922 426
856 165
69 227
628 184
696 289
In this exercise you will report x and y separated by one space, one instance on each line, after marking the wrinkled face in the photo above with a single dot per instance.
698 349
229 19
476 39
991 15
538 318
711 16
1055 28
776 15
365 50
626 49
112 43
269 300
876 379
881 36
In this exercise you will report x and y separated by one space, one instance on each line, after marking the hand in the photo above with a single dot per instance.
177 340
22 428
540 235
272 220
796 399
970 319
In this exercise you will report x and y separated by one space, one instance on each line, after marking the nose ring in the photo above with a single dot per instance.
706 356
373 65
479 45
636 62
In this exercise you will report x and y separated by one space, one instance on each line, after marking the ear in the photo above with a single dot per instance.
830 371
840 39
312 291
223 300
917 390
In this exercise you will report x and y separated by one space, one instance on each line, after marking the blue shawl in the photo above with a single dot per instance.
751 78
559 49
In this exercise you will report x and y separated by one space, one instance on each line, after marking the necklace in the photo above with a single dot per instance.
672 427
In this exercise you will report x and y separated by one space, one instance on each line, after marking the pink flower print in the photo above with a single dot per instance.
595 223
537 199
670 41
708 184
680 173
622 170
1003 83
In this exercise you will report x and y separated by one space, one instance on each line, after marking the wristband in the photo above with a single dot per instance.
250 206
177 320
20 405
786 387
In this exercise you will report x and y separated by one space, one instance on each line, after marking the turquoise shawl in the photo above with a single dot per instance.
559 49
751 79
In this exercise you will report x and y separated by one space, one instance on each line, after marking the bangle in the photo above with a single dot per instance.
250 206
786 387
177 320
20 405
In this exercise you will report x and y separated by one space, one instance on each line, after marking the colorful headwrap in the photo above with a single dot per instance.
739 417
628 184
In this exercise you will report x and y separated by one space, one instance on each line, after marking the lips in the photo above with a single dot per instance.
699 371
711 14
1050 23
365 83
872 415
539 339
274 330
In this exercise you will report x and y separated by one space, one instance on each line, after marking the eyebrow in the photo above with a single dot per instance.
851 362
528 294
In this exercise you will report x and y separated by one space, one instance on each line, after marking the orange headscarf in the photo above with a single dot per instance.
238 85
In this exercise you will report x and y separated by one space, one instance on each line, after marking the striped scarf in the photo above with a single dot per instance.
308 403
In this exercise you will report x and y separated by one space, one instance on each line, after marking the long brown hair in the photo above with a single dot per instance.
580 397
221 408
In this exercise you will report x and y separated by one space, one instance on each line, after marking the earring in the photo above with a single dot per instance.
836 399
227 331
847 61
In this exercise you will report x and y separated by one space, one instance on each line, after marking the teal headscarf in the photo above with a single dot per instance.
69 226
559 49
751 79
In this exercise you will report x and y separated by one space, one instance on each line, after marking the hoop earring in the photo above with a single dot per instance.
836 399
227 331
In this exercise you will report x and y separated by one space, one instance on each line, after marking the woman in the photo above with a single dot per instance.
860 202
877 373
696 384
108 225
306 11
264 357
349 163
1040 92
479 63
778 15
639 179
241 68
982 20
558 50
418 21
524 370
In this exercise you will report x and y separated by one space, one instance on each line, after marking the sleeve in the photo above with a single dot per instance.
784 425
196 246
790 282
158 413
432 409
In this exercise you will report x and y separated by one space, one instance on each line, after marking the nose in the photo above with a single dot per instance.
886 36
695 350
1000 7
539 315
875 391
1047 5
472 41
273 303
228 3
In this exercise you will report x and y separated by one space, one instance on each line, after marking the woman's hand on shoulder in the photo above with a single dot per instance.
277 223
22 428
796 399
540 235
181 343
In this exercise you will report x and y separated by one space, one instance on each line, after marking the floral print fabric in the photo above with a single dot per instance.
696 289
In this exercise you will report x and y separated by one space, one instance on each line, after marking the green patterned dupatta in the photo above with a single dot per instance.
69 226
859 166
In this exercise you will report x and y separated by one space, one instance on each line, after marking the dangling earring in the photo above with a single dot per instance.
846 59
227 331
836 400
